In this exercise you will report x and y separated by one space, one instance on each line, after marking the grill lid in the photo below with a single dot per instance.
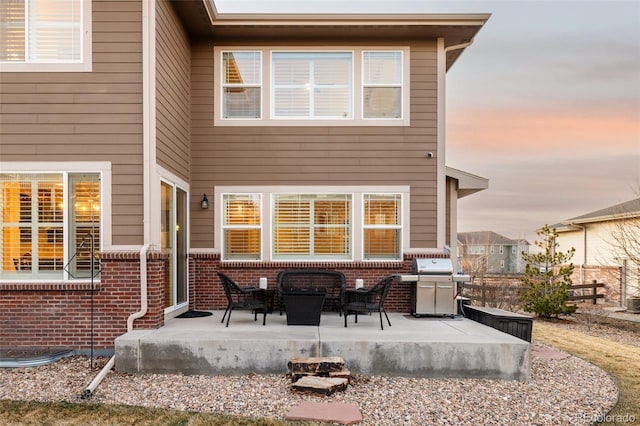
433 266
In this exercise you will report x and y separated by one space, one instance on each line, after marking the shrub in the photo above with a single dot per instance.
547 278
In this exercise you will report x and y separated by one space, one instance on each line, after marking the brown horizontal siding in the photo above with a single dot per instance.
318 155
172 92
90 116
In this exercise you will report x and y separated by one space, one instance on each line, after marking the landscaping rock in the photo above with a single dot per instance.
323 385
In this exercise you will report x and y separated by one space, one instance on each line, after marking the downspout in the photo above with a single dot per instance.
144 305
148 113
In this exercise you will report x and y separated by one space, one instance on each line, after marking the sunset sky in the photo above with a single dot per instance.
545 104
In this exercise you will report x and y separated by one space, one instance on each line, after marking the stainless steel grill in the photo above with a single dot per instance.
434 292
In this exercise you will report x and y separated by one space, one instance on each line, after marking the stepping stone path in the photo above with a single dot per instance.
324 375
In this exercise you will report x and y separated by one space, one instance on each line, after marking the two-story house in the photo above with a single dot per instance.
490 252
145 145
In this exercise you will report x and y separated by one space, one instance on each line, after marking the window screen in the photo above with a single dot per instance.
382 84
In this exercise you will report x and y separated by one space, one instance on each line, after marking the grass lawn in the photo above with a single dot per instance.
64 413
621 361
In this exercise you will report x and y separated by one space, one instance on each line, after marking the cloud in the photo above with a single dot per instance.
525 193
560 129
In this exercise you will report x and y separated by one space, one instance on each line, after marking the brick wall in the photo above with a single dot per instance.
210 295
59 314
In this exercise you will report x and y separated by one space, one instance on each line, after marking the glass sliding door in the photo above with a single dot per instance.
181 247
173 240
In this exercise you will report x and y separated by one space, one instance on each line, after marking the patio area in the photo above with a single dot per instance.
432 347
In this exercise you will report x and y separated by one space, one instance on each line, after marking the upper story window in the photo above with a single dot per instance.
45 35
241 84
48 225
285 86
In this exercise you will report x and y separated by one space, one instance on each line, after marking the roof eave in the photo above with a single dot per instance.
467 183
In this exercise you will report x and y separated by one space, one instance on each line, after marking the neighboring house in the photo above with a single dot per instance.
489 252
165 141
607 243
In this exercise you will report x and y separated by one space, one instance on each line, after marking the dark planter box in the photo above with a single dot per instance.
511 323
303 306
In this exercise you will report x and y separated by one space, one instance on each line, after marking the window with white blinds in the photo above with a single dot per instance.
44 32
39 220
341 223
241 226
382 226
312 85
337 86
308 226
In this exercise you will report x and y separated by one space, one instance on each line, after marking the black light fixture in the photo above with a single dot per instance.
205 202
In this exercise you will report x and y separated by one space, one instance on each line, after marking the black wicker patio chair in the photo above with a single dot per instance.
247 298
361 301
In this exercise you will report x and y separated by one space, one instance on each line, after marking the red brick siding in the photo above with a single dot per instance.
59 314
209 293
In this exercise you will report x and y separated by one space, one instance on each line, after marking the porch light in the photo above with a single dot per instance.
205 202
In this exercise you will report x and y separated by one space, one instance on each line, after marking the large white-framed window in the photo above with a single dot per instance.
311 226
50 226
300 86
45 35
311 85
312 223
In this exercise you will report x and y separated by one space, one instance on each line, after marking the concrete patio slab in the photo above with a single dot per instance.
414 347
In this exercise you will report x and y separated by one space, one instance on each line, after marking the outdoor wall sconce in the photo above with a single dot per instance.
205 202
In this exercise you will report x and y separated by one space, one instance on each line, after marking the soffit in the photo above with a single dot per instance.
203 23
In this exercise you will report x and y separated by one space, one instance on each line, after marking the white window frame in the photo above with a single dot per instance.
357 220
222 227
357 82
224 85
67 168
85 64
385 226
400 85
312 225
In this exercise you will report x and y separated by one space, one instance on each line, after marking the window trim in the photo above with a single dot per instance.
222 227
357 118
310 258
65 168
400 226
84 65
357 214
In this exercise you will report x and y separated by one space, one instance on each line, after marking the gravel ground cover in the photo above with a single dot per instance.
562 390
